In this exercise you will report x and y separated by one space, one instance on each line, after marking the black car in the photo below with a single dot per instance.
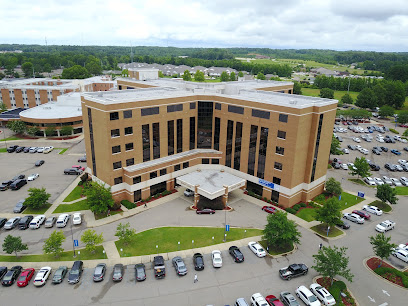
351 147
82 159
335 165
76 272
374 167
376 152
18 177
140 272
19 207
26 150
294 270
236 254
3 271
343 224
59 275
5 185
11 149
39 163
198 261
74 171
390 167
404 167
385 149
11 276
2 222
16 185
20 149
377 148
117 273
406 149
24 222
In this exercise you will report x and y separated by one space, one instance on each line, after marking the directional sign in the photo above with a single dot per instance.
360 194
76 242
227 228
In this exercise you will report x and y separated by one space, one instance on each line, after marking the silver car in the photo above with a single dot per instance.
50 221
354 218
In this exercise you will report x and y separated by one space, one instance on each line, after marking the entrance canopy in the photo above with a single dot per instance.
211 183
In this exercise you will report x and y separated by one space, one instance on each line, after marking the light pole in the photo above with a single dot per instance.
79 254
73 244
103 251
4 135
192 243
225 222
179 245
157 249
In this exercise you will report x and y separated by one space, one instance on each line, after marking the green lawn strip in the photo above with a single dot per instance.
381 205
63 151
167 238
10 138
80 205
40 211
402 190
306 214
65 256
104 215
75 194
347 199
322 230
314 92
360 182
3 150
276 251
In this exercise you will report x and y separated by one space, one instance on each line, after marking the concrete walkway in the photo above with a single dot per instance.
63 195
111 250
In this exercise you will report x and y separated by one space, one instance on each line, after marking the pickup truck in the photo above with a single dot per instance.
158 267
385 226
294 270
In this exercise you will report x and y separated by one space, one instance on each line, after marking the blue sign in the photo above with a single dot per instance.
360 194
266 183
227 227
76 242
339 197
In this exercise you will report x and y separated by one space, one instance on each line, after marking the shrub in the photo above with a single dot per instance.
320 198
115 206
80 183
336 289
291 211
384 270
166 192
265 199
84 177
394 131
128 204
296 207
302 204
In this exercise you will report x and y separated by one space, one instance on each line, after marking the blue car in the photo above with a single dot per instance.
396 152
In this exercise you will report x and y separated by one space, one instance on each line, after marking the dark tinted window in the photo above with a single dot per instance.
137 179
280 150
186 165
177 167
205 161
146 142
278 166
127 114
115 133
163 172
235 109
115 149
217 124
170 137
204 125
261 114
252 149
192 133
238 142
218 106
153 174
283 118
319 130
215 161
179 135
276 180
228 146
282 134
263 143
150 111
156 140
114 116
174 108
192 105
129 146
128 130
117 165
118 180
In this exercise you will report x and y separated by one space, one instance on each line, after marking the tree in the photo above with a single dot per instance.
386 111
33 131
382 246
326 93
366 99
53 245
280 232
380 94
161 75
402 117
386 194
199 76
329 213
335 146
346 99
125 72
94 67
260 76
330 262
66 130
27 68
50 131
224 76
405 133
186 75
75 72
3 107
13 244
37 198
361 167
18 127
91 239
333 187
240 74
99 198
297 88
232 76
125 233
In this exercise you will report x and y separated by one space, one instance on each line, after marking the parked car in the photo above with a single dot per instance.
39 163
140 272
273 300
396 182
62 220
11 149
76 272
387 180
37 222
188 193
322 294
404 180
398 168
401 254
362 214
3 271
33 149
256 248
336 165
11 276
376 151
346 151
293 270
42 276
49 222
59 275
11 223
269 209
307 297
385 226
40 149
76 218
32 177
16 185
356 139
385 149
344 166
236 254
288 299
216 259
179 265
353 218
26 149
48 149
343 224
99 272
5 185
19 208
72 171
25 277
24 222
18 177
198 261
2 222
378 181
205 211
351 147
82 159
396 152
370 181
20 149
258 299
373 210
117 275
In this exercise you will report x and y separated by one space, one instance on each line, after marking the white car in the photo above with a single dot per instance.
396 182
216 259
356 139
346 151
40 149
353 218
188 193
402 161
322 294
401 254
399 168
385 226
344 166
42 276
307 297
48 149
37 222
33 149
76 219
370 181
258 300
378 181
351 165
404 180
32 177
403 247
380 139
373 210
364 151
387 180
257 249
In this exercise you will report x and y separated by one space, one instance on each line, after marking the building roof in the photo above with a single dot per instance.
29 84
11 114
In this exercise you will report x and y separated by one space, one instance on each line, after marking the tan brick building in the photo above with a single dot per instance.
140 140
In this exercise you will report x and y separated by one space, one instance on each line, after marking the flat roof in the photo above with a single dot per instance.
28 84
12 114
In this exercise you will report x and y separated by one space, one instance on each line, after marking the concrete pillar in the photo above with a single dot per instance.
225 197
196 195
145 193
45 135
58 133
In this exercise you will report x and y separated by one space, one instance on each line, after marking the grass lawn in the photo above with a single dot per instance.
63 151
74 195
402 190
381 205
3 150
276 251
314 92
167 238
103 215
80 205
360 182
322 230
65 256
306 214
10 138
347 199
40 211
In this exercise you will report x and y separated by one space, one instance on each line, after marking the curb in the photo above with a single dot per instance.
295 248
379 276
351 293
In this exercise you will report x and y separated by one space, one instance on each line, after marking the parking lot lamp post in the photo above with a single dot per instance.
179 245
244 233
192 243
73 244
213 239
225 222
157 249
121 252
79 255
4 135
103 251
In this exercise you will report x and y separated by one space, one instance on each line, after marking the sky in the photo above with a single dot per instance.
375 25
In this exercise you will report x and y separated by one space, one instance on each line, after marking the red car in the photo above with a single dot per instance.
362 214
79 167
25 277
269 209
273 300
207 211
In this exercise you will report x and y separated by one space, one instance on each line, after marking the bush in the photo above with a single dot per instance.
296 207
265 199
166 192
336 289
84 177
394 131
128 204
80 183
291 211
320 198
115 206
302 204
383 270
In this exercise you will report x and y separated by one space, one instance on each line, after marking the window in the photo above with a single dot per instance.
186 165
235 109
252 149
146 142
283 118
156 140
115 133
192 105
114 116
263 144
176 167
127 114
128 130
137 179
91 137
129 146
153 174
174 108
215 161
261 114
276 180
118 180
115 149
218 106
192 133
280 150
130 162
150 111
281 134
217 125
204 125
163 172
117 165
228 146
278 166
205 161
179 135
319 130
170 137
238 141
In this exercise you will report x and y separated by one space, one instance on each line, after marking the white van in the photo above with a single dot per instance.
62 220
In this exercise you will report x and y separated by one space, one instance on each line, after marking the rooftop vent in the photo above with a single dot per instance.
294 102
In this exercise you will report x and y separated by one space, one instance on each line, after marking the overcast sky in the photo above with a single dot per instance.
321 24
